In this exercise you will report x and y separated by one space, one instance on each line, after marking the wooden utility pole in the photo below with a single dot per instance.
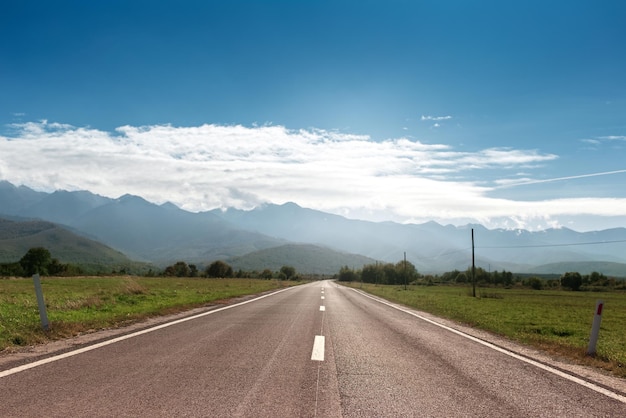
473 268
405 279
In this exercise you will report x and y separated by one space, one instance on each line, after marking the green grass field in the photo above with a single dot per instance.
82 304
556 321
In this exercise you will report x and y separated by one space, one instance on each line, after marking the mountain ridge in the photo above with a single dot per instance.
163 234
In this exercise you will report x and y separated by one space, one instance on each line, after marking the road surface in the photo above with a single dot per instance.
315 350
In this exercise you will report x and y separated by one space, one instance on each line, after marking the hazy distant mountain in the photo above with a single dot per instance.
385 241
306 258
14 200
16 238
164 234
65 207
430 246
140 229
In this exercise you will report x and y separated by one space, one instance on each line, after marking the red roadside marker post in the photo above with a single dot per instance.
595 328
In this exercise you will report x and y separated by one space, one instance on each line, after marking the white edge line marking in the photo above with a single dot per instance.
125 337
318 348
322 308
557 372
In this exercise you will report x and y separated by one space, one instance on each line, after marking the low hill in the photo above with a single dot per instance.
17 237
305 258
583 267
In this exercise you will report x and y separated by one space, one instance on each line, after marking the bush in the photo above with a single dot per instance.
572 280
288 272
533 282
219 269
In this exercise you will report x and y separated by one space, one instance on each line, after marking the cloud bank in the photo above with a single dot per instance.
214 166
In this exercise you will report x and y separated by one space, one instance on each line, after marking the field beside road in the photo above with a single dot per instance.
83 304
558 322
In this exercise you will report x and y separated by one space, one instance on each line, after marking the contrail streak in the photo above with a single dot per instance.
524 183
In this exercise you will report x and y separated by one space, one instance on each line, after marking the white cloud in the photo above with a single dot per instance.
613 138
595 143
209 166
436 118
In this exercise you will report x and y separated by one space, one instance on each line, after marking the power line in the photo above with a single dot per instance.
554 245
462 250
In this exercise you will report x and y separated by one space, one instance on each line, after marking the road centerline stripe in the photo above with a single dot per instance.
318 348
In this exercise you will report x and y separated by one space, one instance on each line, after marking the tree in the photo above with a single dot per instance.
36 260
346 274
219 269
372 273
267 274
289 272
572 280
405 272
180 269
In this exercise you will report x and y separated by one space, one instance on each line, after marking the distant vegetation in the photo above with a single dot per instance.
221 269
405 273
40 260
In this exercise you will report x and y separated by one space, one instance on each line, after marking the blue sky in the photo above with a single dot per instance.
512 114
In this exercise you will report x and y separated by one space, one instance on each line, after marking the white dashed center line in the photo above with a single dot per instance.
318 348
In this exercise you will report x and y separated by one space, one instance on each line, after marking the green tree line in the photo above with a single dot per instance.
221 269
39 260
401 273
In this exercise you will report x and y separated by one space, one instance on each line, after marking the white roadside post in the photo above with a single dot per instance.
595 328
40 302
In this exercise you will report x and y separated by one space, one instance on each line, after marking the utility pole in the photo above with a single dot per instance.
405 279
473 268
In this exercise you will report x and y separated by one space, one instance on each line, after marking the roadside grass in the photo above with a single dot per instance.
558 322
84 304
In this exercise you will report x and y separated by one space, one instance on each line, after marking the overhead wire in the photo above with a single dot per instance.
550 245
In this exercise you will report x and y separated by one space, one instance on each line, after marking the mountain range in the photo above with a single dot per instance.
274 235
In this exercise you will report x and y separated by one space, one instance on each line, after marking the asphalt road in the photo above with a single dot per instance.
315 350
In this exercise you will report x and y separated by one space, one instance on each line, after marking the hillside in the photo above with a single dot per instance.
305 258
17 237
